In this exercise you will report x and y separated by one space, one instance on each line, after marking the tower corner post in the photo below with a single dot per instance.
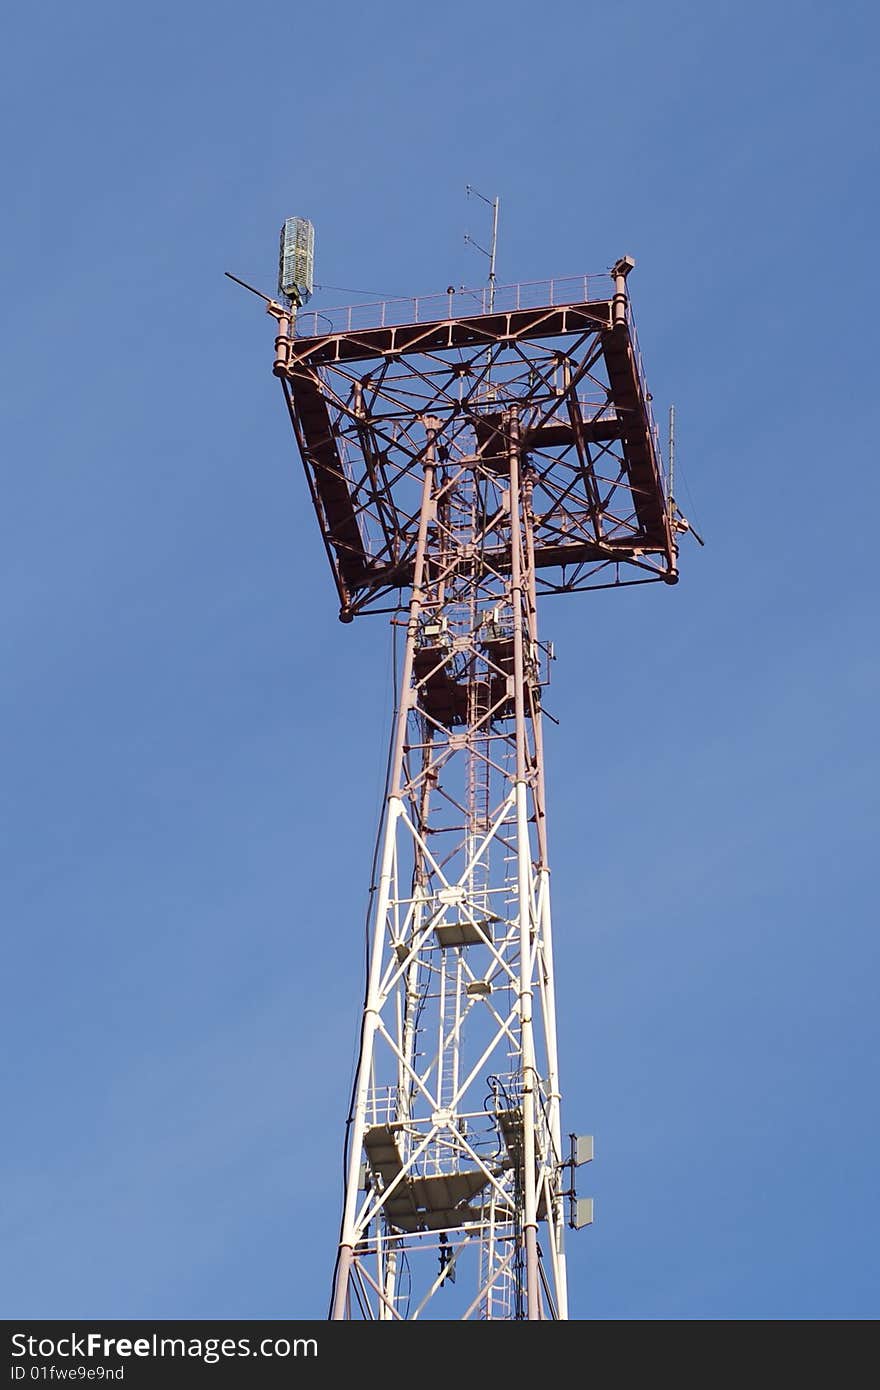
349 1235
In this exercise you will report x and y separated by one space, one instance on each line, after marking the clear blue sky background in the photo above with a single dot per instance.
193 746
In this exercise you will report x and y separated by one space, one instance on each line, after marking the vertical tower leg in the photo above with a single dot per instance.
392 814
523 846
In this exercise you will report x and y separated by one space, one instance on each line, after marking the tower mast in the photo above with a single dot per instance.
455 508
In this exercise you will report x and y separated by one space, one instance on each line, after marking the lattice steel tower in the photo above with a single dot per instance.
463 458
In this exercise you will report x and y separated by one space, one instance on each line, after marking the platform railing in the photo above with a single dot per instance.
454 304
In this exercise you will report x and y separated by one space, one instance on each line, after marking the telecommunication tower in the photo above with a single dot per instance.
465 454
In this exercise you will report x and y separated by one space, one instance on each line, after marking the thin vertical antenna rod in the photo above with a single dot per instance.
672 462
495 205
492 253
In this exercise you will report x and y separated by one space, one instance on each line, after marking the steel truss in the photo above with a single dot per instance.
473 464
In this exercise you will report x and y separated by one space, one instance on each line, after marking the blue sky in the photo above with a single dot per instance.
193 747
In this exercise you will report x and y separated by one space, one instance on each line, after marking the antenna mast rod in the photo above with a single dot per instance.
677 520
671 460
495 206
